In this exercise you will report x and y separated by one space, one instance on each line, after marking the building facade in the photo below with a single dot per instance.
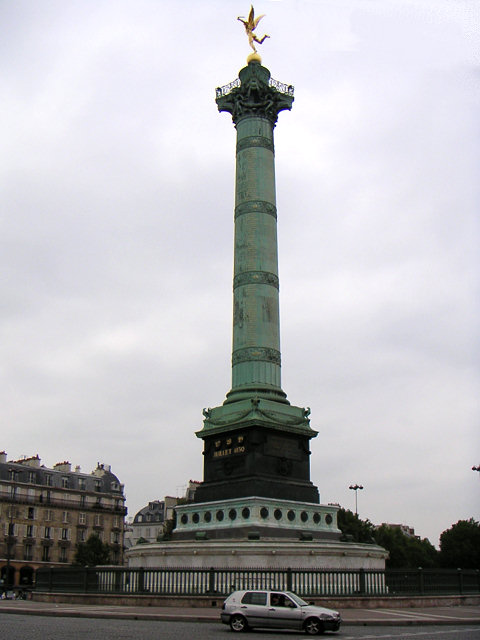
148 525
45 512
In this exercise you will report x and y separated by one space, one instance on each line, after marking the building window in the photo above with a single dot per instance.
83 501
116 522
30 531
65 516
65 482
82 518
48 515
46 554
98 485
48 480
65 534
11 529
115 537
47 532
98 520
31 513
82 484
62 556
81 535
28 552
32 477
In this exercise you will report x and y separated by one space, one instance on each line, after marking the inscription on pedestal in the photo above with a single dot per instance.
229 446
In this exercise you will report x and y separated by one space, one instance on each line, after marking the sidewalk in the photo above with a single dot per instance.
463 615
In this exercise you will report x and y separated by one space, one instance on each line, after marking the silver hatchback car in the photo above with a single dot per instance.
244 610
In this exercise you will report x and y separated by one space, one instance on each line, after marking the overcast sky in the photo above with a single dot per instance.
117 184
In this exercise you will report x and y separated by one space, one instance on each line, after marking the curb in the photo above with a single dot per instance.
179 617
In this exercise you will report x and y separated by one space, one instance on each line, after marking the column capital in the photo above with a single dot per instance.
254 93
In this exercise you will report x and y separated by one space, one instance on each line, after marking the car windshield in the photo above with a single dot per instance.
297 599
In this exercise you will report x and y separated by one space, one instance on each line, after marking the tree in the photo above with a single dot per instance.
460 545
92 552
405 552
354 528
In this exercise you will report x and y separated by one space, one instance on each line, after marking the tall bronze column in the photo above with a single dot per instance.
256 359
256 443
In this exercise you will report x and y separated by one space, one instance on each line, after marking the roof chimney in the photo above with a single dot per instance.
62 466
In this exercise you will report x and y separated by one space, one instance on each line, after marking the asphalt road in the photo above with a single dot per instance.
31 627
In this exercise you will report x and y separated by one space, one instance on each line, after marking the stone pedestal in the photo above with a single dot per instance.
258 554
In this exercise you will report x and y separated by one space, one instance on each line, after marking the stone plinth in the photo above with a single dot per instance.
260 554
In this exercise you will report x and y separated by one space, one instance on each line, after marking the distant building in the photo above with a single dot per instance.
148 525
45 512
190 491
405 529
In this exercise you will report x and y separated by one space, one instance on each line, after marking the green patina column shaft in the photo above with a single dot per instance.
254 103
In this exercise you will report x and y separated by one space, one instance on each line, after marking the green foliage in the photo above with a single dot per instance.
460 545
92 552
406 552
142 540
353 528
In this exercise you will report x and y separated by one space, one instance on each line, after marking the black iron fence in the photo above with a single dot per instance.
221 582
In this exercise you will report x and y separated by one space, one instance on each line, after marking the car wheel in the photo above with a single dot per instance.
238 623
313 627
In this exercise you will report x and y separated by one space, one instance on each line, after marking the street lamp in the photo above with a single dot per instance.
355 487
477 468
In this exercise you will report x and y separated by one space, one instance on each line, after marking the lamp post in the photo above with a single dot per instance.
355 487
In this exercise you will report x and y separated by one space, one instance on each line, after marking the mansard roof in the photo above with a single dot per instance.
153 512
30 471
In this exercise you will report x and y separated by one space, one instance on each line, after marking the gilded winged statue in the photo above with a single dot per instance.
250 25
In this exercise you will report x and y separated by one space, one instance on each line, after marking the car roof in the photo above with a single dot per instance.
261 591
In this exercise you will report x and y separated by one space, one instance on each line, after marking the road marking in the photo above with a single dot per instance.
416 634
402 614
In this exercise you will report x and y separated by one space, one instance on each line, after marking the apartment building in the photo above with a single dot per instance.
45 512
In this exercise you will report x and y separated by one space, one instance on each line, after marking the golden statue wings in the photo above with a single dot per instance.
250 25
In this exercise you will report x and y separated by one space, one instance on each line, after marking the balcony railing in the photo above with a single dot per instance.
281 87
43 501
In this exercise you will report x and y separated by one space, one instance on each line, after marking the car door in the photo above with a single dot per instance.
254 607
283 613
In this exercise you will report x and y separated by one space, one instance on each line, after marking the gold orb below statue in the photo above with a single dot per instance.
254 57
